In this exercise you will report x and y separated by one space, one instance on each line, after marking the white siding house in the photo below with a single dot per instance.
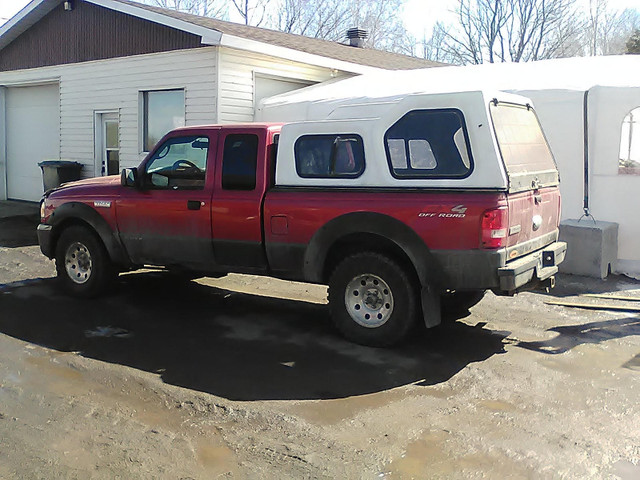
72 88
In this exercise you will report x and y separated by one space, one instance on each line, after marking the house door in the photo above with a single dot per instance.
107 144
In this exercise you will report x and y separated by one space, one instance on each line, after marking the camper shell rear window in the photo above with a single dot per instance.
522 143
429 144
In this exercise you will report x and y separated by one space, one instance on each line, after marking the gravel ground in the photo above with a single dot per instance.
243 377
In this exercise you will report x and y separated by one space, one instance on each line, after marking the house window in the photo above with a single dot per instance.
163 110
629 163
329 156
429 144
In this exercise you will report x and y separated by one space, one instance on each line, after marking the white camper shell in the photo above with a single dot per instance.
493 127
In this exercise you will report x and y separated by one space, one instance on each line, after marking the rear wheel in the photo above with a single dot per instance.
82 263
372 299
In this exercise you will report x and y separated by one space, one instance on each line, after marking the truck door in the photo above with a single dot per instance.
240 187
168 220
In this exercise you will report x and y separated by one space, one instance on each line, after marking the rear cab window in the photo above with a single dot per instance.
239 162
429 144
523 146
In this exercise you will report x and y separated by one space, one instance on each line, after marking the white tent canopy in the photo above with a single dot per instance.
560 89
577 74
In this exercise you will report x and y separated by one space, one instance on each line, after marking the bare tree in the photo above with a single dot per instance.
326 19
330 19
381 20
633 43
252 12
434 47
609 29
205 8
510 31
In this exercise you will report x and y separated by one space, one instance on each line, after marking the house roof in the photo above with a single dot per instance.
219 32
338 51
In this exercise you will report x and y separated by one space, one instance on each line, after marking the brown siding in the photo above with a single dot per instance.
89 32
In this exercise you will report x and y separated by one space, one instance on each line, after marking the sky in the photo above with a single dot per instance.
419 15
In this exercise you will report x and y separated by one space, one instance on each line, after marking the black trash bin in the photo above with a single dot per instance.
57 172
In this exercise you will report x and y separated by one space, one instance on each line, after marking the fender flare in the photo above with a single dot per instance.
73 211
428 270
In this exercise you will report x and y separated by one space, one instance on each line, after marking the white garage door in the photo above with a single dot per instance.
268 86
33 135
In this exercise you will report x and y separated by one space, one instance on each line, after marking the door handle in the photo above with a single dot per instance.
194 204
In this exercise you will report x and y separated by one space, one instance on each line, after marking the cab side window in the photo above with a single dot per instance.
179 164
239 162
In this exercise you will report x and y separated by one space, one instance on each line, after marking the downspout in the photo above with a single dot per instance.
3 143
585 134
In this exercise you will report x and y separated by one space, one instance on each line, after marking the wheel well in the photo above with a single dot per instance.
67 223
369 242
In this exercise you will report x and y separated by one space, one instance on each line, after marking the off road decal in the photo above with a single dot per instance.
459 211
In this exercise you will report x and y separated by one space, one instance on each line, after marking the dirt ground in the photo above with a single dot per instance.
244 377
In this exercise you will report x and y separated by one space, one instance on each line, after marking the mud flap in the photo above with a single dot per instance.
431 310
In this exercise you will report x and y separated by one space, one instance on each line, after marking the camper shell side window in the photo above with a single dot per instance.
429 144
329 156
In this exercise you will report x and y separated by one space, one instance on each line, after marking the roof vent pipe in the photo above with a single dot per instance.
356 37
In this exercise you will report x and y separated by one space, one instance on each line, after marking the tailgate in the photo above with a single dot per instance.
534 195
533 215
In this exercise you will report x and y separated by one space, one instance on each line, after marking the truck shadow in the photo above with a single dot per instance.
233 345
571 285
570 336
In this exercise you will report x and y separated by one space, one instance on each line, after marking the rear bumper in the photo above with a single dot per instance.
532 268
44 239
482 269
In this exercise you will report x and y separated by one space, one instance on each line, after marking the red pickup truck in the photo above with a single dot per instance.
398 214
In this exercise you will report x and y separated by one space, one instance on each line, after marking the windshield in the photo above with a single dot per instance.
522 144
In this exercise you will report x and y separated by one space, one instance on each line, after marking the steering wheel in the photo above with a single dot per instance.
184 164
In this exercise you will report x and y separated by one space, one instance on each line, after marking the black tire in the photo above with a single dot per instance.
373 285
459 303
82 263
183 276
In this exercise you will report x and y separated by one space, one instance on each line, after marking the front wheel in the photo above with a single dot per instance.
372 299
82 263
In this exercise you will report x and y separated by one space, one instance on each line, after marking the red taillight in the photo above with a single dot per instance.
495 228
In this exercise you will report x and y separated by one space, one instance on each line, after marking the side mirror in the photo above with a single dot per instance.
129 177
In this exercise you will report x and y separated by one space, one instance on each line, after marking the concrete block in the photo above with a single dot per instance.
592 247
